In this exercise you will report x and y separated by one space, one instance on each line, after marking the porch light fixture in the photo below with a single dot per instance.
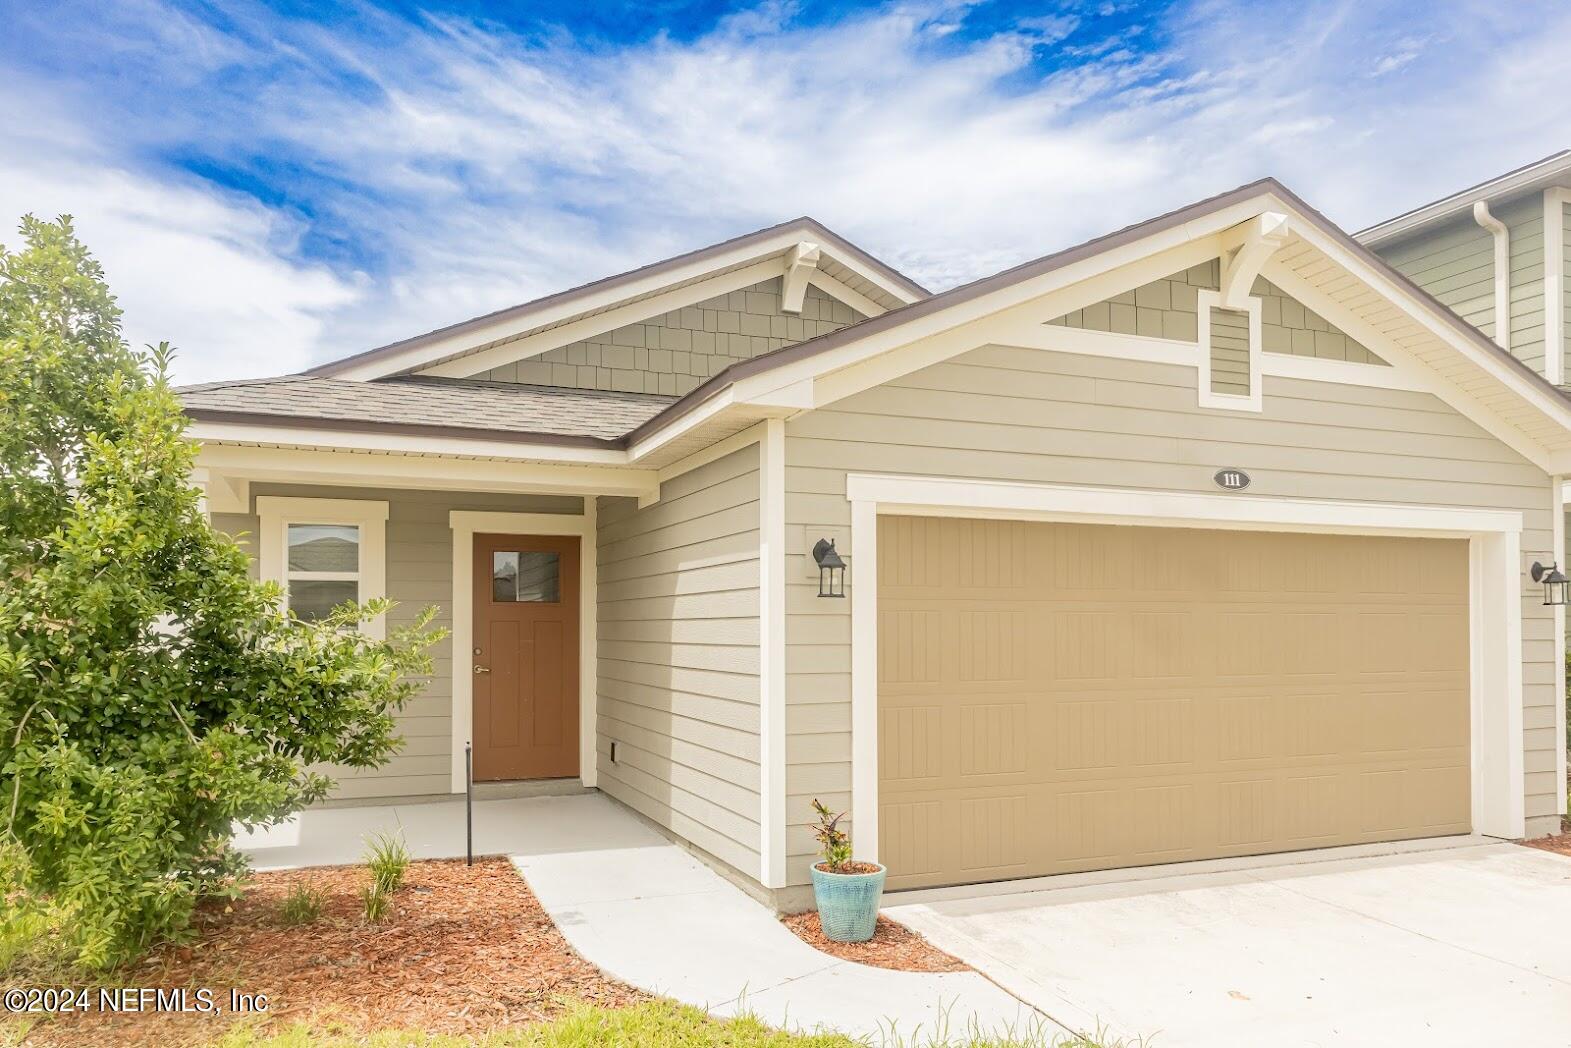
831 569
1557 588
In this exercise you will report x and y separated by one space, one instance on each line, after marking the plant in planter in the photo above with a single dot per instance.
846 891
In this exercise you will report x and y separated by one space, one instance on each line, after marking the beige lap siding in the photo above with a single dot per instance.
1041 417
419 574
678 657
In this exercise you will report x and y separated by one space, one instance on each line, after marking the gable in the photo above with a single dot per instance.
672 353
1167 308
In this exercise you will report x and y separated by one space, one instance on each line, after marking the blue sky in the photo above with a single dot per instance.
271 185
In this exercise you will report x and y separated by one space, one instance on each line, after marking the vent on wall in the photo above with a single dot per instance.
613 751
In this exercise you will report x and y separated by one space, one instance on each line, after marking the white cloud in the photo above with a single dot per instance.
209 273
491 168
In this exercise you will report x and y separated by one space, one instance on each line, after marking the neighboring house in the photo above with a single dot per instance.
1498 249
1209 537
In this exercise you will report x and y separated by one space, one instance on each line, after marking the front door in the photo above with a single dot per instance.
525 662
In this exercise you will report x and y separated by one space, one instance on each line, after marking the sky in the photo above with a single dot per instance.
274 185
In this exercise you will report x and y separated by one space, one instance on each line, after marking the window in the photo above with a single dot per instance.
525 578
324 552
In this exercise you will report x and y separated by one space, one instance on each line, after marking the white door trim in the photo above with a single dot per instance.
1495 598
465 524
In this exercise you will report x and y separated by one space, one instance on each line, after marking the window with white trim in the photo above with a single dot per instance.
324 552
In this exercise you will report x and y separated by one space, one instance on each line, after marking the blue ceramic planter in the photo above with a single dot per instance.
848 903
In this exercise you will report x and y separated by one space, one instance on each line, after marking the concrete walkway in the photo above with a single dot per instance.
648 913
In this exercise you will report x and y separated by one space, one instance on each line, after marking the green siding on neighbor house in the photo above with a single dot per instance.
1455 262
1525 219
1166 308
1047 417
419 574
678 656
671 353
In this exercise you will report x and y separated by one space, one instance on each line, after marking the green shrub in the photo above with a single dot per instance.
152 696
303 905
388 858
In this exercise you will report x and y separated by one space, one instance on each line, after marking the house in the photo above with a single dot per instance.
1209 537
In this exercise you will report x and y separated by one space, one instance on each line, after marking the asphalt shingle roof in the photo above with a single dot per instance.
420 401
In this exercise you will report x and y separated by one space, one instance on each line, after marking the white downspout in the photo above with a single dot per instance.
1502 235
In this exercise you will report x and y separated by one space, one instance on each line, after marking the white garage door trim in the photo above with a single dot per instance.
1494 598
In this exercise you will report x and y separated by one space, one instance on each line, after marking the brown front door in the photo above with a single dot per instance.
525 662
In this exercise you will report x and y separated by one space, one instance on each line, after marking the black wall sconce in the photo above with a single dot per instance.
1557 588
831 569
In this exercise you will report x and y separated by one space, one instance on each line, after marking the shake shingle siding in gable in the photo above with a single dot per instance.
1167 308
678 656
672 353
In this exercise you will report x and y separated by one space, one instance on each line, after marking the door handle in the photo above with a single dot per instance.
482 669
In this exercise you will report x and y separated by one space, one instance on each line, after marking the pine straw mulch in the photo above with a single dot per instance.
893 945
464 950
1559 843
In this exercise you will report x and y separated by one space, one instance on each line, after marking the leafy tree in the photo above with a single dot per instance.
151 694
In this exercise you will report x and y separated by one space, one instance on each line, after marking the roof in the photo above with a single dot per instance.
1322 257
890 289
438 406
1554 169
1172 220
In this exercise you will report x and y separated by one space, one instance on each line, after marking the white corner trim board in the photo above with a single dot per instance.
274 515
466 524
772 655
1495 595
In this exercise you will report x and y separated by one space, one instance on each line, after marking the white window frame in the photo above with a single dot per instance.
1205 301
276 513
1495 595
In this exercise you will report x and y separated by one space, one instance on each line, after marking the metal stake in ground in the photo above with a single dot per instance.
469 804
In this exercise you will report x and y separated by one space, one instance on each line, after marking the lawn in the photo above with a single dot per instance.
653 1024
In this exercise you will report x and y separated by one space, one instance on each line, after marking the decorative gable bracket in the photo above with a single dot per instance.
801 264
1245 248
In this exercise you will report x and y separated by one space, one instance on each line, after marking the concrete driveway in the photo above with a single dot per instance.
1467 944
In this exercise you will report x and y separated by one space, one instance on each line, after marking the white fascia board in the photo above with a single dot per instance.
423 356
1546 170
399 443
1415 371
998 319
317 466
599 323
1444 328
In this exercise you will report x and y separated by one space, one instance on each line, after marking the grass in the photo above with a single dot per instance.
388 858
303 905
658 1024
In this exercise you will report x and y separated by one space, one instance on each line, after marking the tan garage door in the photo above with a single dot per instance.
1057 697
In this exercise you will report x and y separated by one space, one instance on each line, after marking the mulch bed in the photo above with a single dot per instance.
463 951
893 945
1560 842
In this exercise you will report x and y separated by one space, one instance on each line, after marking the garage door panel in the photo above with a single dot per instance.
1239 693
